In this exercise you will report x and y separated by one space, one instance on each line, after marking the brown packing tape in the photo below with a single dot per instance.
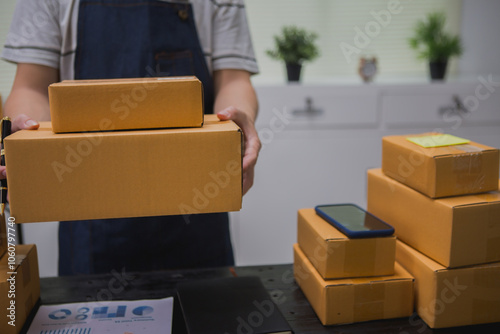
338 312
353 259
470 242
478 310
488 225
493 247
26 272
486 295
370 300
468 171
468 163
493 230
487 277
380 255
341 251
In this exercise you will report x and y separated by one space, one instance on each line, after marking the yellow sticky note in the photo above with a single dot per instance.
438 140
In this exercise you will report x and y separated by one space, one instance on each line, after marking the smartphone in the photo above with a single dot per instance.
353 221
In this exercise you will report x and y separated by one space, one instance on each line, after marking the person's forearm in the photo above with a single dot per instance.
29 94
238 92
29 102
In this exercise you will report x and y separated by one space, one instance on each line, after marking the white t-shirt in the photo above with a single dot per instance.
44 32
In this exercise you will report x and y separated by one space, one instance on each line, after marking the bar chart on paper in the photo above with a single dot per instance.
151 316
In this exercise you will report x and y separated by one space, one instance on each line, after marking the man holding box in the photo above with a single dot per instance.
58 40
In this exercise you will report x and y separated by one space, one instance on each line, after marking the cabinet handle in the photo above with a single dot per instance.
457 108
309 109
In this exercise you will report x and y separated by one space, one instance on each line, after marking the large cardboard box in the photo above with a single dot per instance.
334 255
120 104
344 301
454 231
124 173
441 171
452 297
19 287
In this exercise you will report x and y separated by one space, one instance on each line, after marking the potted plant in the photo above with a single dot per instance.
435 45
294 46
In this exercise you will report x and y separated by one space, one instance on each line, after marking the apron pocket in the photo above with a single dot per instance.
177 63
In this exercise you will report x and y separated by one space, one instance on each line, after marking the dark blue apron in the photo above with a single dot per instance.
130 39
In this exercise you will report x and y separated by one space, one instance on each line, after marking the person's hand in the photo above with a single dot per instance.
24 122
252 142
20 122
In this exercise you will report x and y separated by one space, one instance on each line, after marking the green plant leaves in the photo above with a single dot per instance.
294 45
431 41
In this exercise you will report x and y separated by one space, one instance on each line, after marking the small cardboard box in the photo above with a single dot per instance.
441 171
452 297
454 231
19 291
118 174
344 301
334 255
121 104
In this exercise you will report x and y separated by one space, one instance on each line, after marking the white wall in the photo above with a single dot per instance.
7 70
480 33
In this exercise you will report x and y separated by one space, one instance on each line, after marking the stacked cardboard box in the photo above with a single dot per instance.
441 195
19 287
349 280
134 172
126 104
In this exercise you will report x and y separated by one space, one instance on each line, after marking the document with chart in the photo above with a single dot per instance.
110 317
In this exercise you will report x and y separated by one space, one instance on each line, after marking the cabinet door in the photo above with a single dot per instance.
438 105
314 107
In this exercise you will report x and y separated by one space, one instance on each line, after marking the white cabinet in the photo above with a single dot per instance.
321 157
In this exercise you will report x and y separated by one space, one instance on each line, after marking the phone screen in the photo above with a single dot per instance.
354 218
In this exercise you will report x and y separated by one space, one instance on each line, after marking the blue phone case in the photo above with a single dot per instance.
355 234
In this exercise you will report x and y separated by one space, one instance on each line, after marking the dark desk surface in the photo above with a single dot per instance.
278 279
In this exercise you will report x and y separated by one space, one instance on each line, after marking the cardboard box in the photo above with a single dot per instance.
452 297
17 301
3 236
441 171
344 301
334 255
121 104
454 231
124 173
